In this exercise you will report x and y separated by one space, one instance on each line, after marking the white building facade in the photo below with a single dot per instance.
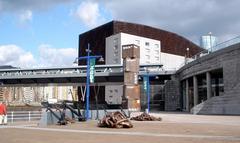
150 51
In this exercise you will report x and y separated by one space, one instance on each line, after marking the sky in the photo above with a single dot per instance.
43 33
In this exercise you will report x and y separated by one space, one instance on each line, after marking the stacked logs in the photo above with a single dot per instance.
115 120
145 117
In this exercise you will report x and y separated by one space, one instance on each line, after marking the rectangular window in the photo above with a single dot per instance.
137 42
147 44
147 57
147 50
115 44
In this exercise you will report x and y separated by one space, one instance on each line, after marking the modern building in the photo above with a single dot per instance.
156 47
173 47
149 48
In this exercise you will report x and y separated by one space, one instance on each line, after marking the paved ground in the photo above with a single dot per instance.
175 128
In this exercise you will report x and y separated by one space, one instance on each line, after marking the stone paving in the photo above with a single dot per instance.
174 128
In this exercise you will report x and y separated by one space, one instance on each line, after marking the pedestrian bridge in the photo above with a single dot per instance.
103 74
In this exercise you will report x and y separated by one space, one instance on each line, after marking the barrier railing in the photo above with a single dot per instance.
213 49
14 116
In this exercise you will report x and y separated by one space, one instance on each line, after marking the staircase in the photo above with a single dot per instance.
229 104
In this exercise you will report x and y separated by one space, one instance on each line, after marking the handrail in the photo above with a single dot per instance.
217 47
23 116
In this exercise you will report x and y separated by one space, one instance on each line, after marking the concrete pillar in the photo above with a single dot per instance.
195 90
187 95
209 85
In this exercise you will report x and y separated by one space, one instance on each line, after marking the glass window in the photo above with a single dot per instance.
147 57
147 44
147 50
137 42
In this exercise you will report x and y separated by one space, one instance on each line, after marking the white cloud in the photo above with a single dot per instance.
49 56
89 13
15 56
25 16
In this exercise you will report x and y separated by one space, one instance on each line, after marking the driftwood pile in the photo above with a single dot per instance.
115 120
146 117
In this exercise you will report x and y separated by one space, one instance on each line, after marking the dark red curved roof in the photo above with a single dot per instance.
170 42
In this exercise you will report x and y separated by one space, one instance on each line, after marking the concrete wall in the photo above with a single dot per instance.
172 95
227 59
171 62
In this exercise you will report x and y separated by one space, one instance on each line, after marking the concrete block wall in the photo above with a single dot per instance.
172 95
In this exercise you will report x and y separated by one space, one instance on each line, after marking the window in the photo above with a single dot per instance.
115 44
115 41
147 44
116 60
147 57
156 46
137 42
147 50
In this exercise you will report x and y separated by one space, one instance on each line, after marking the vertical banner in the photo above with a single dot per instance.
92 69
145 82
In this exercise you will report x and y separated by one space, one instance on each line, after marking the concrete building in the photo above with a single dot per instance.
156 47
211 84
171 45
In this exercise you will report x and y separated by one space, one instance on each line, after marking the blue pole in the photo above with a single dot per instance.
148 93
88 82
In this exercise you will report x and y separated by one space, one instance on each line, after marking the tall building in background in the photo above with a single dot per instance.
208 42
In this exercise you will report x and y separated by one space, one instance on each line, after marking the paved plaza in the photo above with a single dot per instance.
174 128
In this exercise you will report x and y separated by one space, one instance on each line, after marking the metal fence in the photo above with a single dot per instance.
15 116
213 49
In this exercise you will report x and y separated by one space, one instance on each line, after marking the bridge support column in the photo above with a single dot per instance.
187 95
195 90
209 85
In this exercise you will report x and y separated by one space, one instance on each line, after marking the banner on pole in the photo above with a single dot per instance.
92 70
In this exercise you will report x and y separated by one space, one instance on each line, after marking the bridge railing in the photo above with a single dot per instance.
69 70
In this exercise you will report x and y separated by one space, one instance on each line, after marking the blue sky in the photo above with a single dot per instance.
42 32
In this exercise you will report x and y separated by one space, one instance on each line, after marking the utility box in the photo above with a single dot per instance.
131 65
113 94
130 51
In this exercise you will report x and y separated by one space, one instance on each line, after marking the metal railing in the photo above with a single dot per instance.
214 48
66 71
15 116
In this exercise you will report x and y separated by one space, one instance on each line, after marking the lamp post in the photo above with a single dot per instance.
88 58
146 86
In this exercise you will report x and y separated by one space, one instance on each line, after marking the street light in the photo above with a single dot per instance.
88 58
